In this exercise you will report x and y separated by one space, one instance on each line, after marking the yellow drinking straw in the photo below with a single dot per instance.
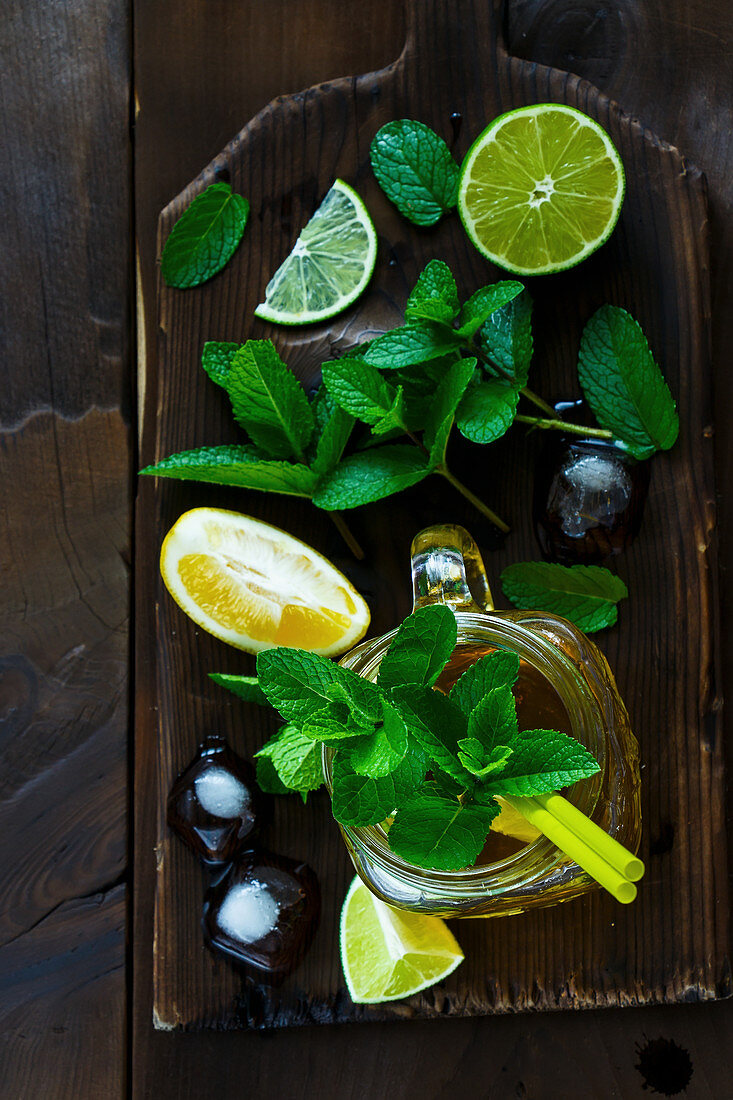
627 864
584 842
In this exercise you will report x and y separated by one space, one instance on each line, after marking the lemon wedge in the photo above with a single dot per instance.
256 587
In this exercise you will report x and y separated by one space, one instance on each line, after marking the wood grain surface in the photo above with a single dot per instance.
64 545
200 69
673 944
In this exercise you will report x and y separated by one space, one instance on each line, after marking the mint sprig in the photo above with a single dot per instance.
453 364
405 753
205 237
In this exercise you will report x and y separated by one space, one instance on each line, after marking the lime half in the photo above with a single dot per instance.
330 265
388 954
540 189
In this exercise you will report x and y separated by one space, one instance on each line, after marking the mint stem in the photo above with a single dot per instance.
472 498
537 400
418 442
477 350
462 489
347 535
564 426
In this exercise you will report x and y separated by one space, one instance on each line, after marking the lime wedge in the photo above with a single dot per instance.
330 265
388 954
540 189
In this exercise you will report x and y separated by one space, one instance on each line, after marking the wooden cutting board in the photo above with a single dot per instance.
672 944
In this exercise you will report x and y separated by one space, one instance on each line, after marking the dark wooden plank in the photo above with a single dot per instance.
592 1054
669 64
582 955
64 442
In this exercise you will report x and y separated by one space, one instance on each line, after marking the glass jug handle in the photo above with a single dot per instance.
447 568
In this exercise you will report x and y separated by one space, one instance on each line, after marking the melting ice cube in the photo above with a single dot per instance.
589 499
215 805
220 792
263 912
249 912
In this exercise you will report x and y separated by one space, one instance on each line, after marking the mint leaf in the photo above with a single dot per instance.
420 649
475 758
216 359
434 830
494 670
205 237
331 433
541 761
585 594
268 401
422 380
361 708
484 302
370 475
360 389
332 442
360 800
409 345
296 759
435 295
332 724
415 170
436 724
419 385
493 721
623 384
487 411
267 778
299 684
380 752
394 418
507 338
245 687
240 465
443 409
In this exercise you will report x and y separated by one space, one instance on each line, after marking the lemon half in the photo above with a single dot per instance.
257 587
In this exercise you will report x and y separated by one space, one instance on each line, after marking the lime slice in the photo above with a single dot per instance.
330 265
540 189
388 954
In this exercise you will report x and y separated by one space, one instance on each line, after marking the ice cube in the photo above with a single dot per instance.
589 499
263 912
249 912
220 793
215 805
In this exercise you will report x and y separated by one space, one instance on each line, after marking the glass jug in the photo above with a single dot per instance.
447 568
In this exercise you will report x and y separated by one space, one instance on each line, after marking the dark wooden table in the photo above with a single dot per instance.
109 107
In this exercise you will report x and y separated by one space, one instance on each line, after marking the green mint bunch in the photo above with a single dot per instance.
431 764
407 382
453 364
422 376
